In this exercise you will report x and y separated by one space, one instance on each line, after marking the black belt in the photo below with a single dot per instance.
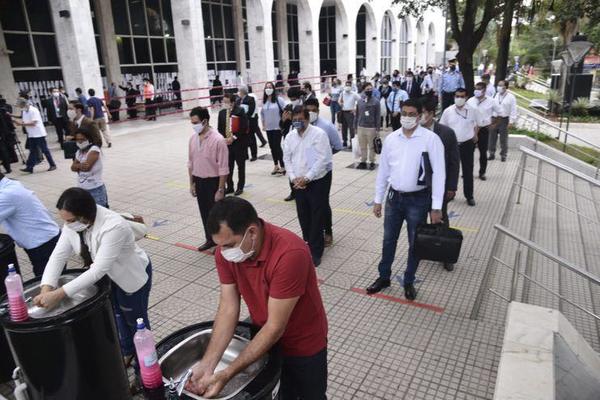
422 191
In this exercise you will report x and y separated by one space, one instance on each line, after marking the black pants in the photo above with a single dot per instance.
253 132
39 256
274 138
150 109
445 219
447 99
311 205
395 122
482 146
60 124
328 217
237 156
304 378
5 155
132 110
467 154
36 145
347 118
206 188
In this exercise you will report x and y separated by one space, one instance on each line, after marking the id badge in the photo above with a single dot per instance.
366 113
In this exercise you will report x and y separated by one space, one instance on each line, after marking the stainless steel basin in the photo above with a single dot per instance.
175 363
66 304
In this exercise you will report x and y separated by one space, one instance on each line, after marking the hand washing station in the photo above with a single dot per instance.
181 350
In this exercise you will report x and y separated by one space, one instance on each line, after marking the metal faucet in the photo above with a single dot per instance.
176 387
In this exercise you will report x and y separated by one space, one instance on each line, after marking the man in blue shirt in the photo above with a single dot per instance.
451 80
83 100
24 218
312 105
394 103
97 108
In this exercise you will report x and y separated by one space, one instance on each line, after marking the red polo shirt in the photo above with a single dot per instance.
282 270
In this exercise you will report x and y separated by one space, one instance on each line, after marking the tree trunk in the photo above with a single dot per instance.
504 41
465 61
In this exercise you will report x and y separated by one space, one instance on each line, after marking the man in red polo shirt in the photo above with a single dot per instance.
272 269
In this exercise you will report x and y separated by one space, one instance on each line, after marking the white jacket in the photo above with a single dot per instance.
114 252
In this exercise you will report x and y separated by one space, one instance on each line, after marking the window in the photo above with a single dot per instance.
403 45
12 15
45 49
327 42
219 35
293 38
361 39
386 44
22 56
275 36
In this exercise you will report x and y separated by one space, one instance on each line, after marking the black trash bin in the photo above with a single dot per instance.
264 385
7 256
74 354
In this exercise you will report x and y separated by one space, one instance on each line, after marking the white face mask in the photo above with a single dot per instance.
55 94
478 93
313 116
83 144
77 226
408 122
268 91
71 114
501 89
460 101
236 254
347 88
198 128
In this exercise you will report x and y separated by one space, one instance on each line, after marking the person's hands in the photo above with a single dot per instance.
219 194
201 373
475 139
193 190
450 194
215 383
287 115
49 299
300 183
85 166
377 210
436 216
229 140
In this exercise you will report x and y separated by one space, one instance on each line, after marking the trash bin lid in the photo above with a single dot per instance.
66 304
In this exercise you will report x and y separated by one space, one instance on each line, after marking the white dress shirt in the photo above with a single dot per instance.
485 110
401 161
348 100
506 106
33 115
308 155
490 90
463 121
113 249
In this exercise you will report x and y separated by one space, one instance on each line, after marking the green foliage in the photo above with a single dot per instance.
580 106
554 96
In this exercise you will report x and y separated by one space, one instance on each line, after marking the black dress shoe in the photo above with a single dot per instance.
238 192
378 285
503 159
409 291
361 165
449 267
317 261
52 168
372 166
29 171
291 197
229 191
207 246
471 202
482 177
253 159
263 145
491 157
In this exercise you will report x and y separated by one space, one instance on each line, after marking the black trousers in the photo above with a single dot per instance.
395 122
304 378
447 99
206 188
274 138
132 110
311 205
328 216
237 155
39 256
347 119
445 219
482 146
467 155
150 109
253 132
5 155
60 124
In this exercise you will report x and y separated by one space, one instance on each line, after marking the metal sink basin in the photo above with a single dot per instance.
175 363
66 304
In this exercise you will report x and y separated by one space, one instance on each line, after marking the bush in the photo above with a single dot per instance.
594 111
554 101
580 106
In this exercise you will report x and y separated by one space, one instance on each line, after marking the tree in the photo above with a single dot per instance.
504 38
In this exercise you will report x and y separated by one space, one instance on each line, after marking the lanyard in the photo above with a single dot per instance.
462 116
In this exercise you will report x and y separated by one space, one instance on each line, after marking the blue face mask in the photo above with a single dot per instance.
298 125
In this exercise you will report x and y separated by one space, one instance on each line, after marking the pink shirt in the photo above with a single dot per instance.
208 158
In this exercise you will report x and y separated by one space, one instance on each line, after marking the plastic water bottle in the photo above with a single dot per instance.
14 291
147 357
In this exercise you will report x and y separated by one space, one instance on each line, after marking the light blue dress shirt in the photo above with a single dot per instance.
395 99
334 139
23 216
452 81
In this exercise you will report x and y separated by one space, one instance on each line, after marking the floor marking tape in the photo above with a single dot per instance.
425 306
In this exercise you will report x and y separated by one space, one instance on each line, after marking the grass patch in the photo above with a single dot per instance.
528 94
583 153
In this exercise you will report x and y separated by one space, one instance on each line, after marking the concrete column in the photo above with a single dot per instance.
308 35
345 46
260 34
282 37
238 24
191 54
108 45
8 86
373 45
76 45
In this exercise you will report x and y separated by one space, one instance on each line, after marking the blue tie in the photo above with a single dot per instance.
394 102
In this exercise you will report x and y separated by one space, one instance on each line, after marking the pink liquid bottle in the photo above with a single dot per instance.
147 357
14 291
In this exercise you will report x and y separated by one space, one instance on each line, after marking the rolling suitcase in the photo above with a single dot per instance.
438 243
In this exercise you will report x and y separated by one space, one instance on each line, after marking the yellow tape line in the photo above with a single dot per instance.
152 237
177 185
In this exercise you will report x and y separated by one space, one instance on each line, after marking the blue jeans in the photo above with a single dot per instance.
127 308
334 107
34 145
412 207
99 195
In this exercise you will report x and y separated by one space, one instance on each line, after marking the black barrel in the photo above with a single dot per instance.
7 256
71 356
264 386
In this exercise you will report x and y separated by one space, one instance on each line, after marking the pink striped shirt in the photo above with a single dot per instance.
208 158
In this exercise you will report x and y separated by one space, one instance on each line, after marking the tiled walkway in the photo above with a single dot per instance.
379 348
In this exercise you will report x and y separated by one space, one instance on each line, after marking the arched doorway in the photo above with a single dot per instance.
404 41
386 44
366 40
420 45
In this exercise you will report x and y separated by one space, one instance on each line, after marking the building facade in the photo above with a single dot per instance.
90 43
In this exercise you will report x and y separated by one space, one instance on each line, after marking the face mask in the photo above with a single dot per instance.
198 128
298 125
460 101
77 226
478 93
55 94
408 122
313 117
348 88
501 89
236 254
368 93
268 91
71 114
83 144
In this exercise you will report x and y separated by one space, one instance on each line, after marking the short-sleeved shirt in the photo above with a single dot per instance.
282 270
93 178
97 104
33 115
463 121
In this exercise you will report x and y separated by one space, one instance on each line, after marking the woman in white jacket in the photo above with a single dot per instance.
107 245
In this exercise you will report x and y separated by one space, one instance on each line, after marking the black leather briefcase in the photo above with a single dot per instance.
438 243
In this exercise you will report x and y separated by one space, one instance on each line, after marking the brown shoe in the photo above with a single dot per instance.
328 240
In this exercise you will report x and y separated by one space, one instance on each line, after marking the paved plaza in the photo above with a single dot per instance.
380 347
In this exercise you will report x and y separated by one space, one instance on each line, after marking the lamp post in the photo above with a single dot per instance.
554 40
574 54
